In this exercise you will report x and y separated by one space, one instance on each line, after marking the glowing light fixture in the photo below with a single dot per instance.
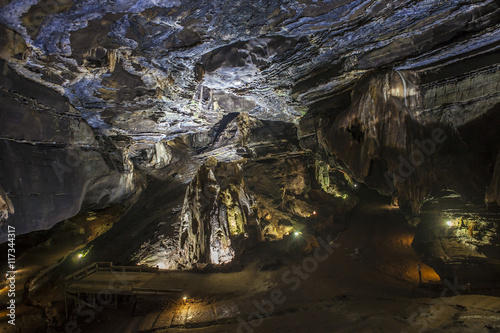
297 233
314 213
449 223
84 253
355 185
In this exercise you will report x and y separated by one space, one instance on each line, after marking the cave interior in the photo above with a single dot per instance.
263 166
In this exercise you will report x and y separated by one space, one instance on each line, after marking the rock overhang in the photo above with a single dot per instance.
158 64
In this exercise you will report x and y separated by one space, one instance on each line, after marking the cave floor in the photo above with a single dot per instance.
368 283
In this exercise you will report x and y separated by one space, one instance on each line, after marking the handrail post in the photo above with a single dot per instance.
65 301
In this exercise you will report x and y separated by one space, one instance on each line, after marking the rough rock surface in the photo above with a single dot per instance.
157 69
401 141
6 206
216 208
267 193
101 100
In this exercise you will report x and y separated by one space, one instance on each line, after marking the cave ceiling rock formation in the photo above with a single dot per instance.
128 96
157 69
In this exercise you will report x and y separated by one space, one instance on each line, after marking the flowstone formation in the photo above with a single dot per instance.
215 209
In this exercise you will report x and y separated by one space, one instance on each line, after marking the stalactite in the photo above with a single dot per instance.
113 58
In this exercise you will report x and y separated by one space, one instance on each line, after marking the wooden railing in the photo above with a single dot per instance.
108 267
151 291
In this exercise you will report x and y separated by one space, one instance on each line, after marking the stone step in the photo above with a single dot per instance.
149 320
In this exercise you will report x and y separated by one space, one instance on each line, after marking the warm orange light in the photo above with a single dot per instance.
4 290
314 213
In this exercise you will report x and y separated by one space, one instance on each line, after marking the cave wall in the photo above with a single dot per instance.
419 136
51 163
493 191
407 144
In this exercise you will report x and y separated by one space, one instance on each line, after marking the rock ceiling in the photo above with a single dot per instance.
156 69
